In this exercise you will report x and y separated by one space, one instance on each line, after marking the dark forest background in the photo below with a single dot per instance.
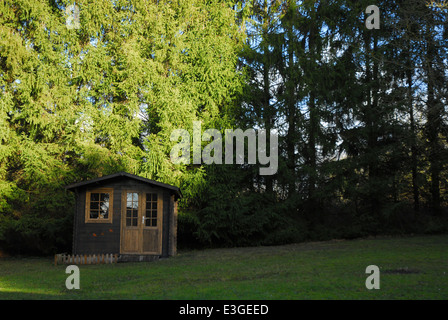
361 114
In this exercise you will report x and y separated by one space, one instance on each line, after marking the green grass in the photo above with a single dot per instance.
411 268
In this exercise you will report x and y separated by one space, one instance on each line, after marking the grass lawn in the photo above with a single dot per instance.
410 268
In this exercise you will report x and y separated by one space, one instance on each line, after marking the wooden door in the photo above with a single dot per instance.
141 222
152 223
130 216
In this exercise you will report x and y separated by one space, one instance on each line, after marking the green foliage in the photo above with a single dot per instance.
81 103
359 113
227 213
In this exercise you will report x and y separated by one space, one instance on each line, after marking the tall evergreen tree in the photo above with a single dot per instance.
91 88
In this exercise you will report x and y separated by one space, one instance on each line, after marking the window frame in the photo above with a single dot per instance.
152 218
109 219
132 217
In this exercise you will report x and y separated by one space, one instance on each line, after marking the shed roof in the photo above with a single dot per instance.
99 180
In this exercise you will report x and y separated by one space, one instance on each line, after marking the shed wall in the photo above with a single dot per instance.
98 238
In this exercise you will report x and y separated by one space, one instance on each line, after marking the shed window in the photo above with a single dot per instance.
99 205
132 209
151 210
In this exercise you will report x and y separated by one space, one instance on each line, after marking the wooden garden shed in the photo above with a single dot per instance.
127 215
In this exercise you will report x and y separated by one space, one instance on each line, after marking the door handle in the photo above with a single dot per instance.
143 220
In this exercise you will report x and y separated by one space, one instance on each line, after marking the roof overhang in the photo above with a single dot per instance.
96 181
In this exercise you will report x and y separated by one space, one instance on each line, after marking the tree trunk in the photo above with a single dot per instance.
433 122
414 160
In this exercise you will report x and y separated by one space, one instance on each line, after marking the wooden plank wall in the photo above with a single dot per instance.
95 238
102 238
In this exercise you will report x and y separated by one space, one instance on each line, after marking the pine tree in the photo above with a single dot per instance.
91 88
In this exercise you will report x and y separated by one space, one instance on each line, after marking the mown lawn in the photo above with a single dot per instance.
411 268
